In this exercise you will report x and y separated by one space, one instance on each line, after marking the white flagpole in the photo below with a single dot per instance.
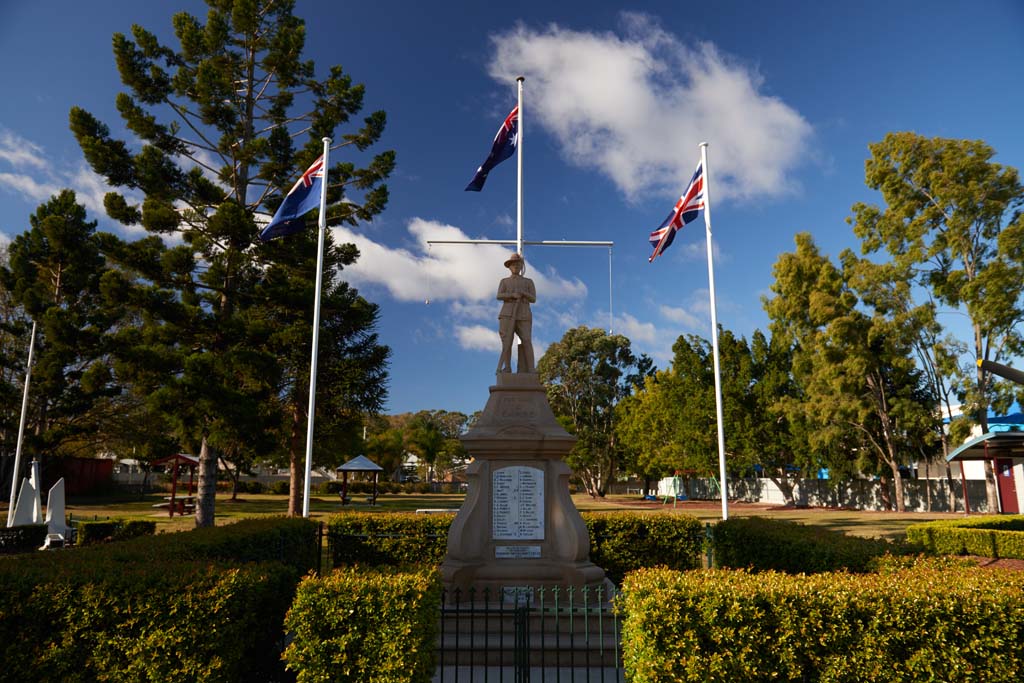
21 428
723 483
519 163
321 229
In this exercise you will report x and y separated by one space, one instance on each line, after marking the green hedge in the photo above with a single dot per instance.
94 619
927 623
762 544
202 605
988 536
619 541
113 530
22 539
362 625
389 539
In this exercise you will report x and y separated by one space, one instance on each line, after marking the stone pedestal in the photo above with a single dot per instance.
518 529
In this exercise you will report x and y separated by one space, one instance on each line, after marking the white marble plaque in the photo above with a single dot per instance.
516 552
517 504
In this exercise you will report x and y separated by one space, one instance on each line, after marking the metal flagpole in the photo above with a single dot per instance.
21 428
321 229
519 171
724 486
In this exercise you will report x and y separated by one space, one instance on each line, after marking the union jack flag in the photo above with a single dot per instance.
685 211
502 148
301 199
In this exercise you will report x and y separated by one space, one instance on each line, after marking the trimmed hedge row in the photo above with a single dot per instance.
22 539
90 533
936 622
96 618
619 541
364 625
758 543
988 536
207 605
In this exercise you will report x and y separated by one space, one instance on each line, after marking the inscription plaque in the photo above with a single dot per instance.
516 552
517 507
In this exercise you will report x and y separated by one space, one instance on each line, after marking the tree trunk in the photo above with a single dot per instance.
207 487
990 488
952 487
785 487
234 473
294 477
897 485
883 483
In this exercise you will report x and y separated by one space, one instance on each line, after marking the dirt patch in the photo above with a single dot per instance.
999 563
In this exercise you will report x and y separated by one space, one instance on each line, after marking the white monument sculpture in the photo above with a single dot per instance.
29 507
518 529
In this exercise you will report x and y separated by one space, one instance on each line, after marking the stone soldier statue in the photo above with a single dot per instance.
517 293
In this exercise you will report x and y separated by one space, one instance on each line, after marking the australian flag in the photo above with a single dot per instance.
302 198
504 146
685 210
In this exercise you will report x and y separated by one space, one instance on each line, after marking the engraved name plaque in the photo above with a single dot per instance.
517 512
516 552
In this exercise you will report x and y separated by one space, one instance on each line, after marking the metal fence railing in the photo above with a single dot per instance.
540 635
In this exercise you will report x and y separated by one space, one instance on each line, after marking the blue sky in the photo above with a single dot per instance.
617 97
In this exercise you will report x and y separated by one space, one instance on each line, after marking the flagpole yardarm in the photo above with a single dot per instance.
21 427
519 173
321 229
714 335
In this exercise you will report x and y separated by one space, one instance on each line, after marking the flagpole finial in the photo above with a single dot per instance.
703 144
520 78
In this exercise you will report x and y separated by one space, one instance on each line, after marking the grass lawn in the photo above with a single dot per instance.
888 525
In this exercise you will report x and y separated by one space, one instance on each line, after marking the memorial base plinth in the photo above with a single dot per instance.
518 530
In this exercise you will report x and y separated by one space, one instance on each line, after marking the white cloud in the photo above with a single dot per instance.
635 106
19 152
477 337
637 332
689 320
459 273
29 187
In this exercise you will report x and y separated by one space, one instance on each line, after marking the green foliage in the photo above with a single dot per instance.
619 541
22 539
987 536
920 624
392 539
113 530
761 544
358 625
587 372
89 618
156 608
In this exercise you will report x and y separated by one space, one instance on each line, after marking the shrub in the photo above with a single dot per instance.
170 607
90 533
619 541
22 539
988 536
278 488
253 486
925 623
623 541
760 544
358 625
391 539
83 617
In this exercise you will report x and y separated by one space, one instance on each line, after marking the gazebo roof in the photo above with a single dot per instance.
180 458
360 463
991 445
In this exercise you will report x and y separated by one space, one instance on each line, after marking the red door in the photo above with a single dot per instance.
1007 486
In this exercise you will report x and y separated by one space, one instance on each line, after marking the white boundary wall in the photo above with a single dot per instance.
858 494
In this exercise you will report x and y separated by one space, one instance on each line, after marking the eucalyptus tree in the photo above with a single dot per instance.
951 216
587 372
854 363
224 121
